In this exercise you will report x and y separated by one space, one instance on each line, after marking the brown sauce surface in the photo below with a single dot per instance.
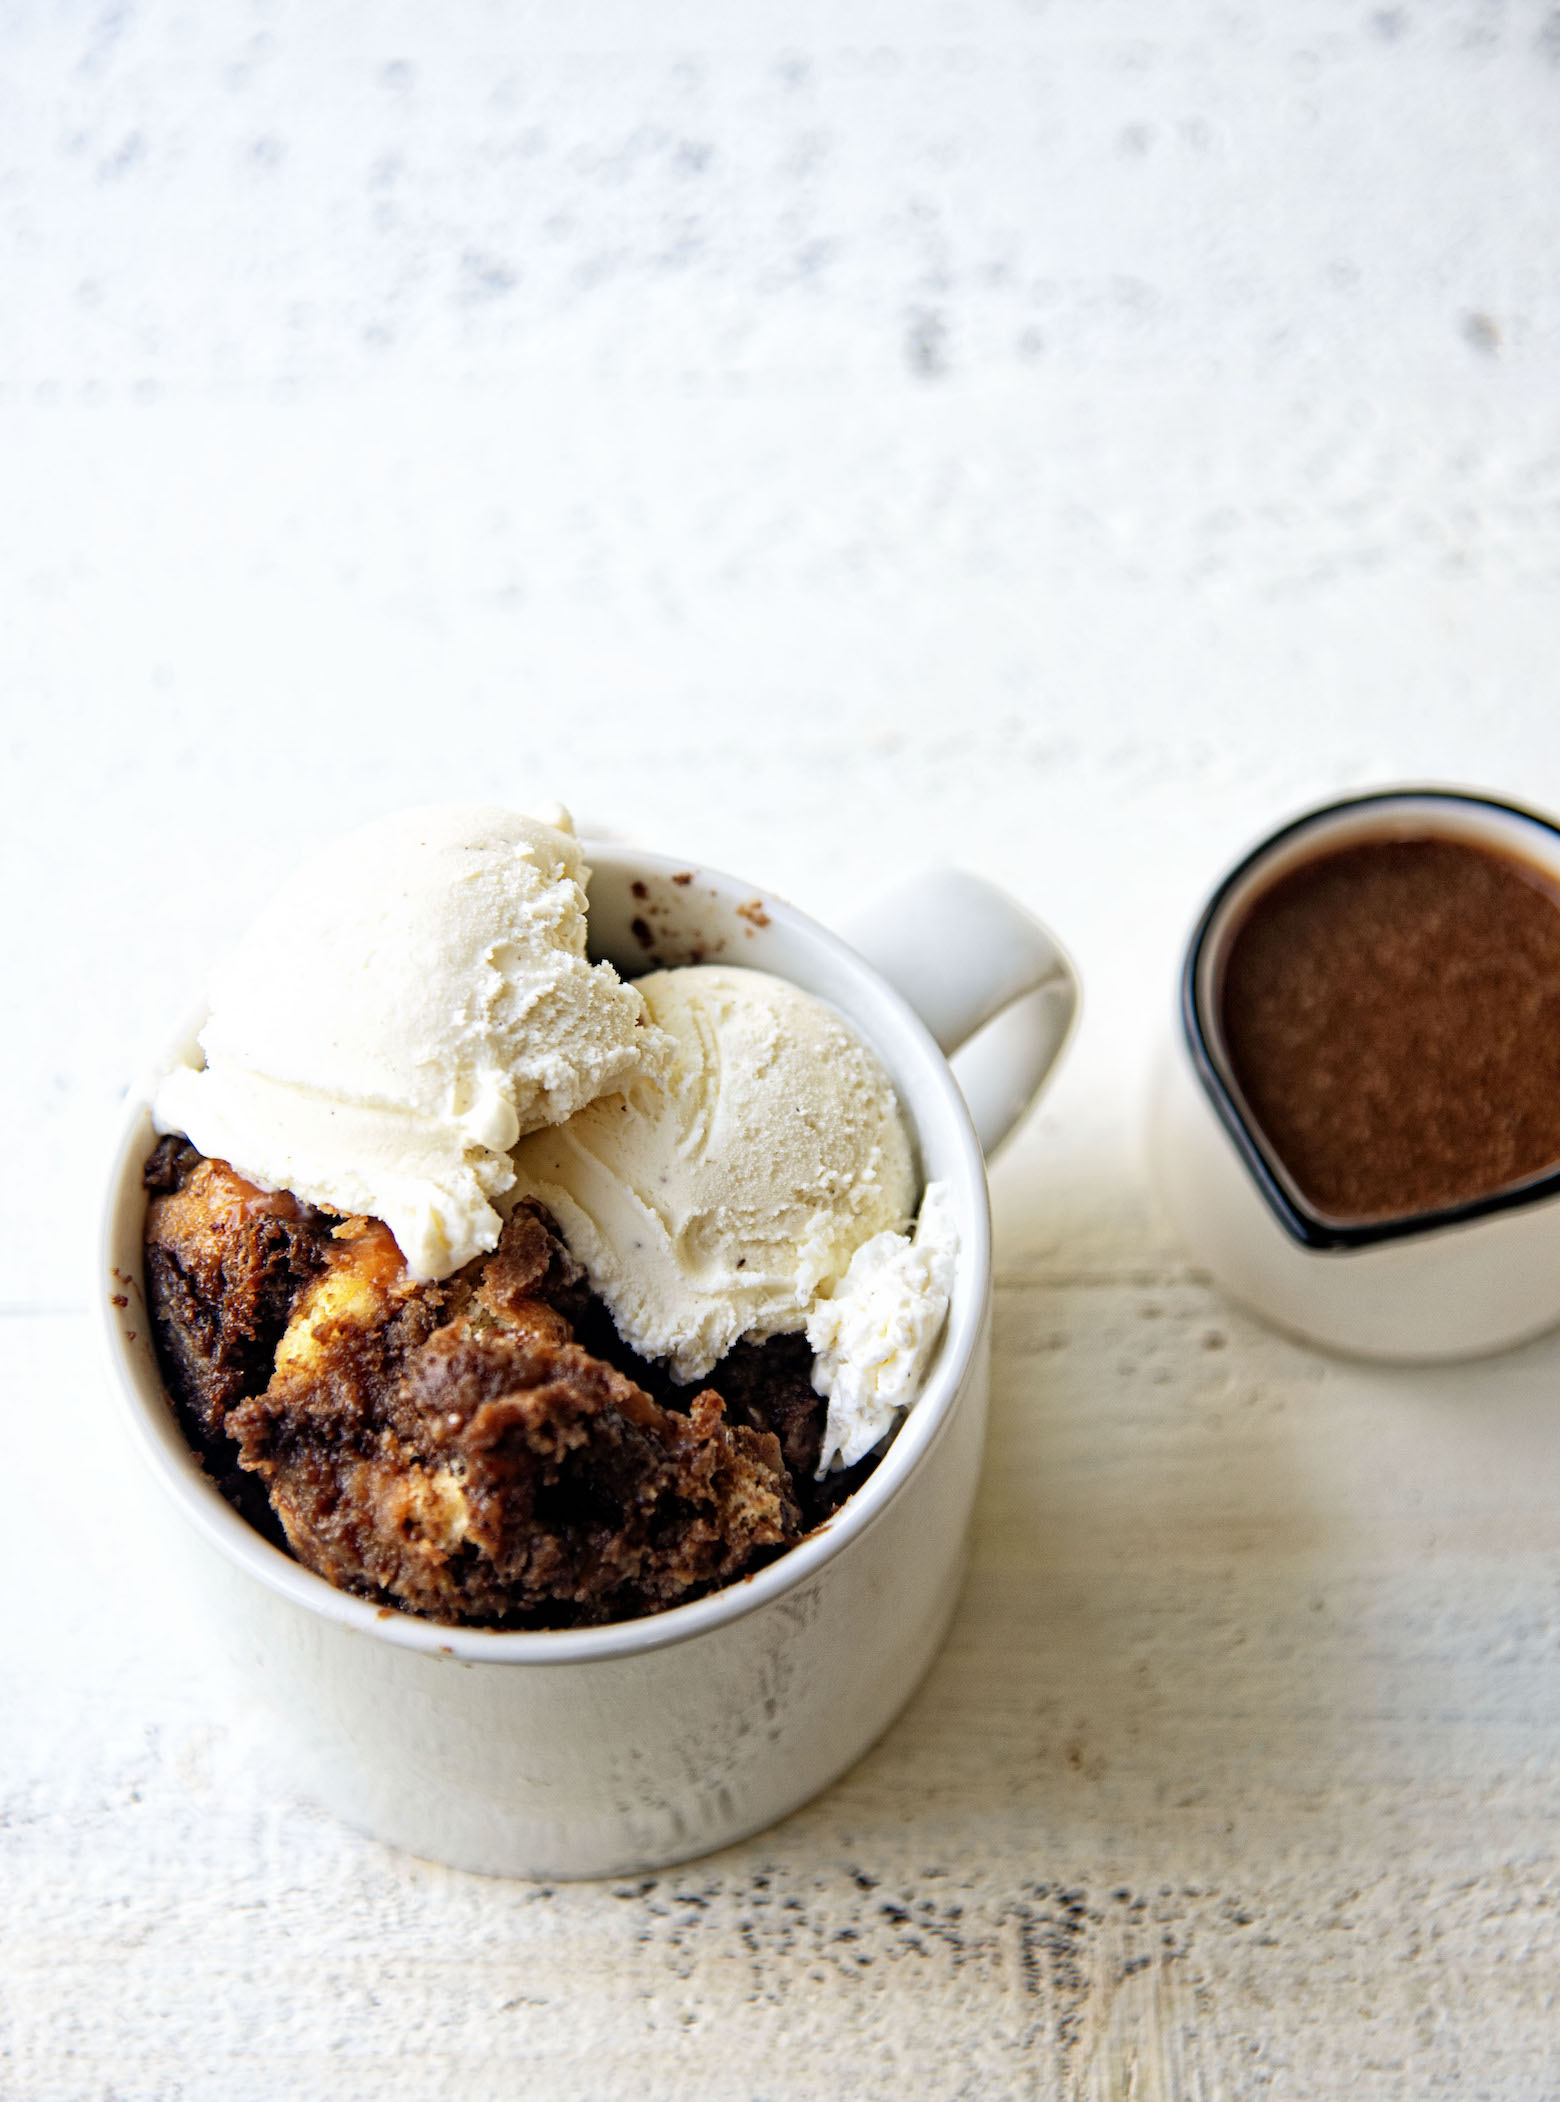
1391 1012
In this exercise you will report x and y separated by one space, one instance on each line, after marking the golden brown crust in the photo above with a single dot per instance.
225 1262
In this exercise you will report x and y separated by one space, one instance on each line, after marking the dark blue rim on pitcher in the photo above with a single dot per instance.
1311 1228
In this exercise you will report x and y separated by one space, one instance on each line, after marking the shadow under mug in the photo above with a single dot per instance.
1417 1288
597 1751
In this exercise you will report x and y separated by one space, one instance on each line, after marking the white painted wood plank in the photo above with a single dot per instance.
1063 442
1237 1777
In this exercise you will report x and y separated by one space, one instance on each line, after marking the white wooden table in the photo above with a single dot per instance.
1057 440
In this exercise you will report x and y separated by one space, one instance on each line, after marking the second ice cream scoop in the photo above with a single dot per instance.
720 1203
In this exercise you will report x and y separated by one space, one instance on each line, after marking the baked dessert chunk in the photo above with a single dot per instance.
450 1449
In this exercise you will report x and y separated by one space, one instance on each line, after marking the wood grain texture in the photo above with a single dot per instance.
1063 442
1236 1778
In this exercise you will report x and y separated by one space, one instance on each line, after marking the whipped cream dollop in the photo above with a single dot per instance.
410 1004
873 1336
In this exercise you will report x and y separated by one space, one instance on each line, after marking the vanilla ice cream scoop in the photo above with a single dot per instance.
718 1205
408 1005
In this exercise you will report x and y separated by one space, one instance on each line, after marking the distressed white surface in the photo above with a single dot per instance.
818 441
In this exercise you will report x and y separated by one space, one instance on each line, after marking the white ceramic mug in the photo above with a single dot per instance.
1411 1289
598 1751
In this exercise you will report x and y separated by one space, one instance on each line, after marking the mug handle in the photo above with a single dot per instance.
989 982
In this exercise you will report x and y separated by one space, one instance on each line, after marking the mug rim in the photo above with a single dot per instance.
156 1433
1311 1228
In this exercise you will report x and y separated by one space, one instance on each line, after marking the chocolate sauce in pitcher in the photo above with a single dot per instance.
1391 1014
